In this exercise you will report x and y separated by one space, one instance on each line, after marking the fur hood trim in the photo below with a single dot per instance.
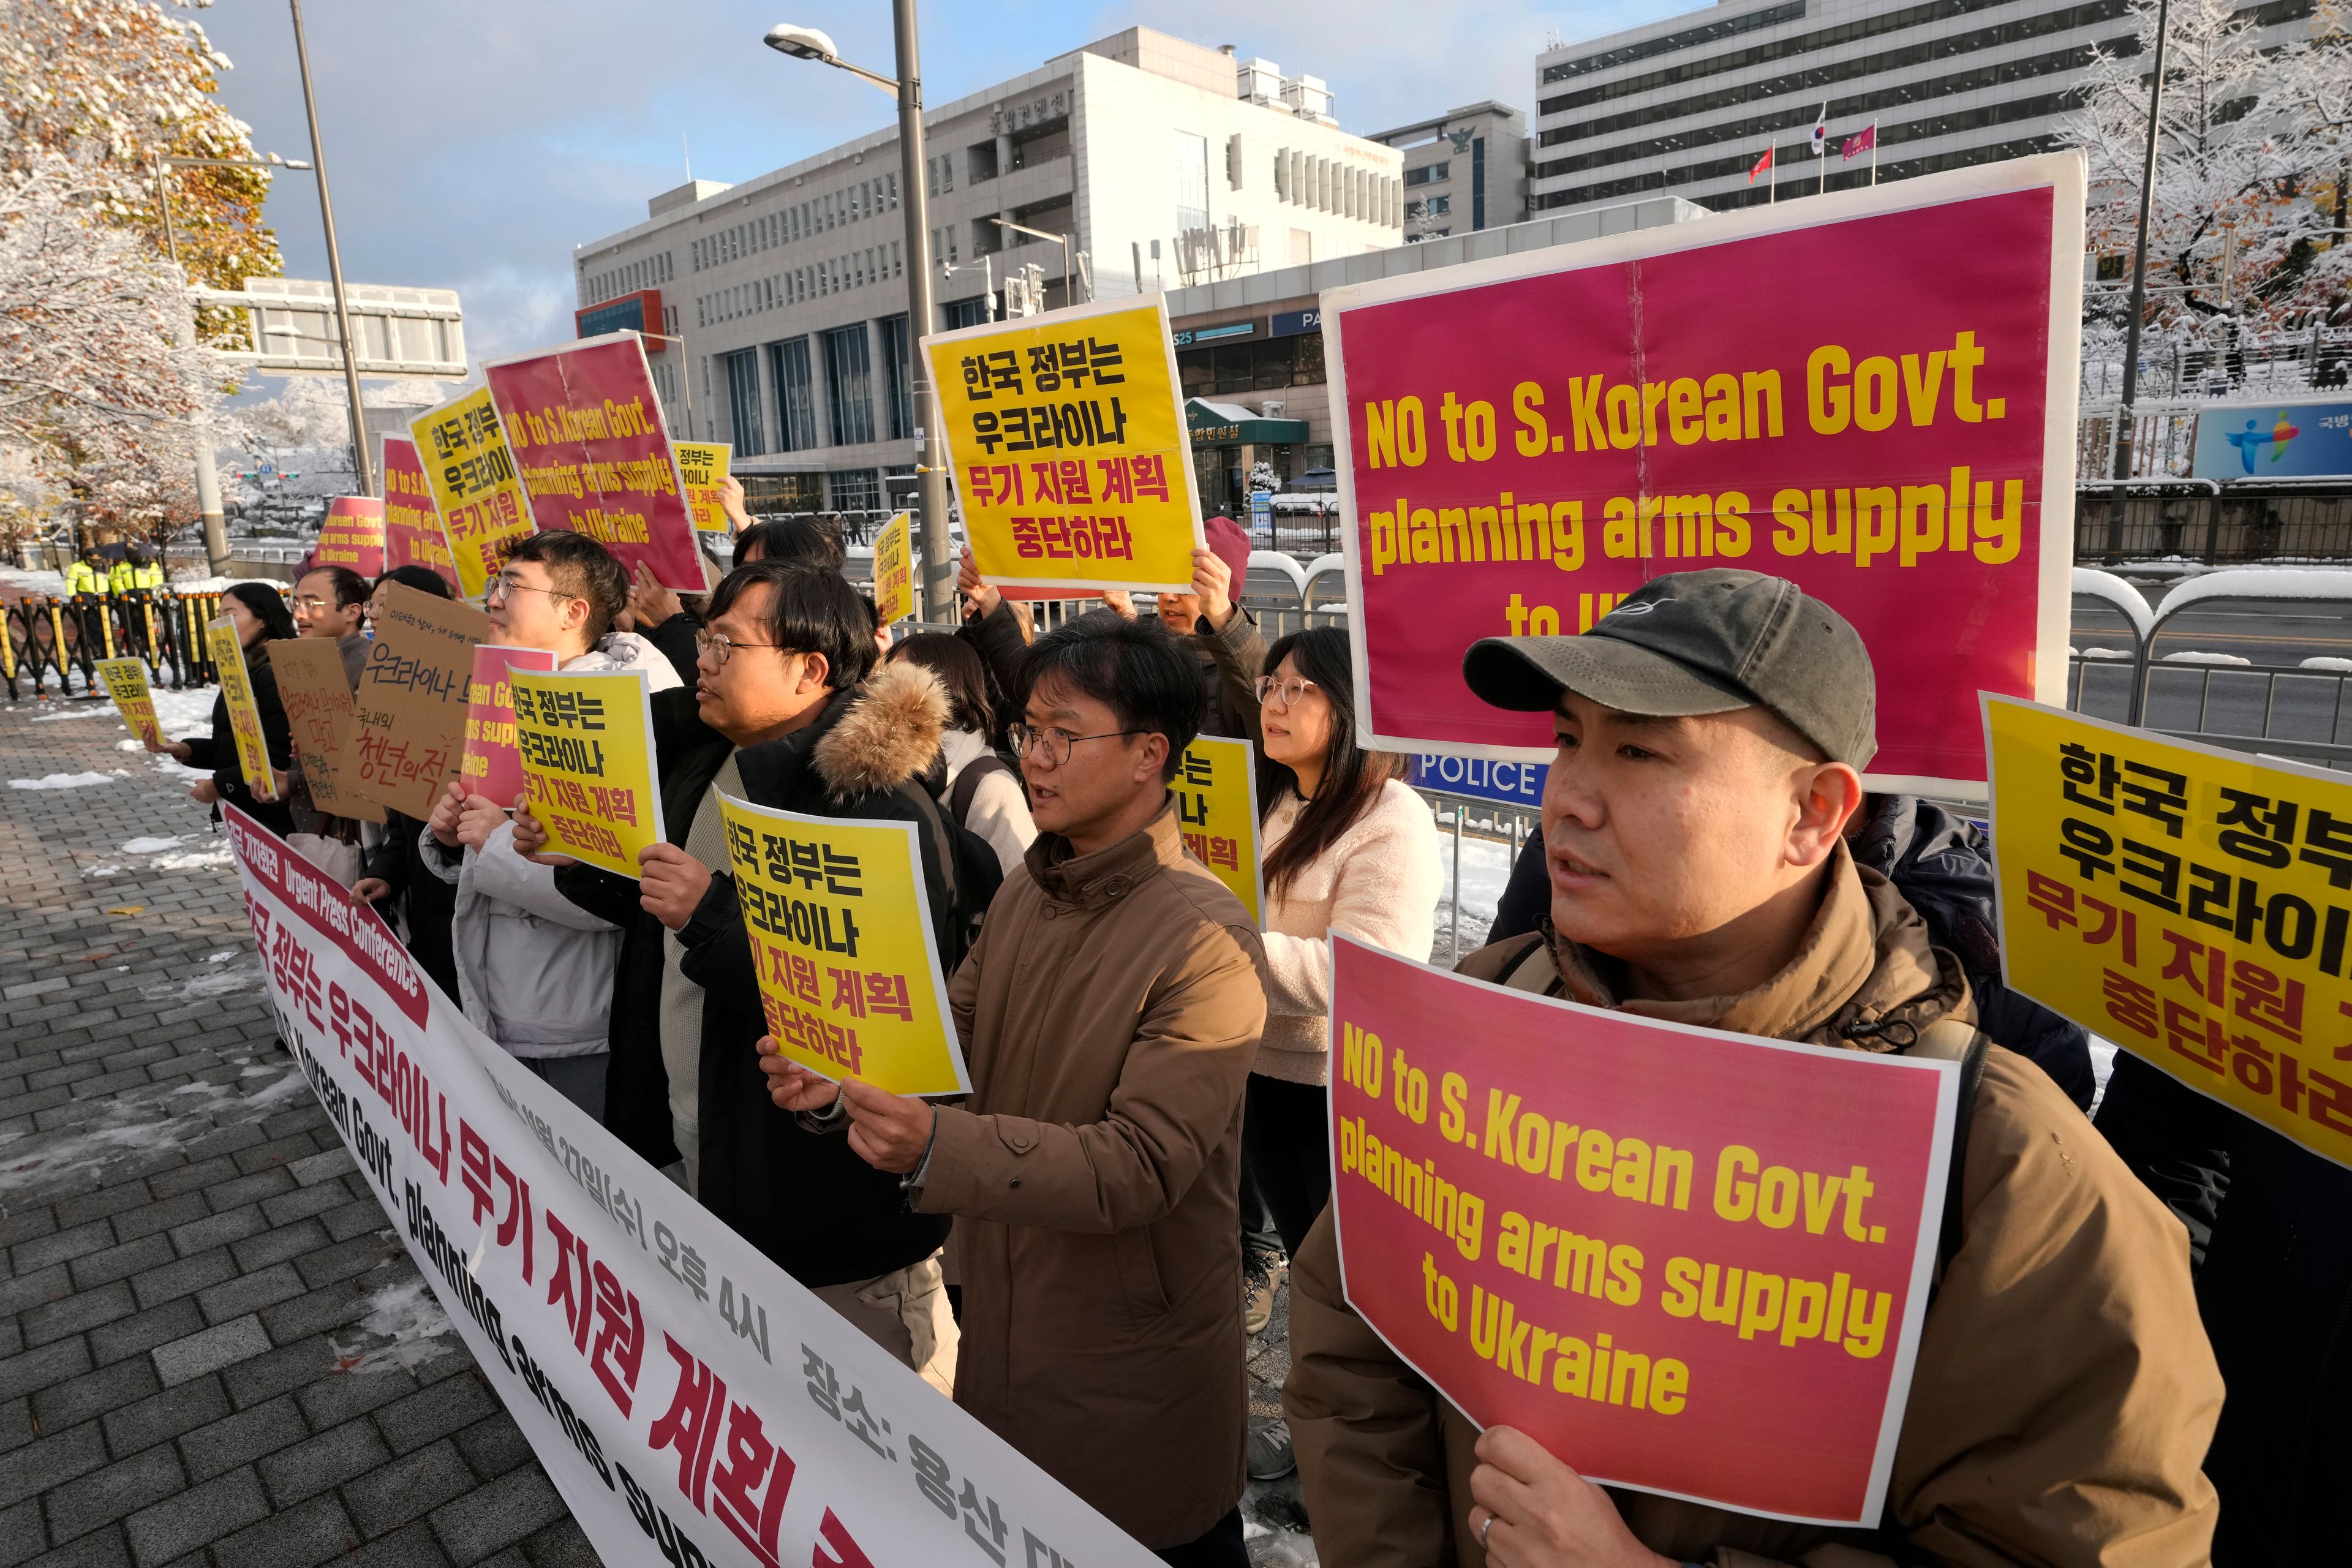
889 734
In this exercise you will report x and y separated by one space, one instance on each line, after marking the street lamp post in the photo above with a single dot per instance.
359 464
933 584
208 497
1061 239
2138 296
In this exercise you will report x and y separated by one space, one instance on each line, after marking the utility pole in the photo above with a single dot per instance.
363 470
2139 294
934 591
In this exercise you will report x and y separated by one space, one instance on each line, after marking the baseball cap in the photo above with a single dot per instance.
1701 642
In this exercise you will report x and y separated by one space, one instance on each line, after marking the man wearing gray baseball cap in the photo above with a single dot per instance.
1711 732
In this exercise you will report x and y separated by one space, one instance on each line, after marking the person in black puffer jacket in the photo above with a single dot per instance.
1943 865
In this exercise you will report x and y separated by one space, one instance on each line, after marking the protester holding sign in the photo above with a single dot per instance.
259 616
534 970
331 602
1710 732
418 904
1109 1011
1348 847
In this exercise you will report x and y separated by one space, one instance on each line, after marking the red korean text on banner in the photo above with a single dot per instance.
352 535
412 536
1684 1261
1529 438
587 428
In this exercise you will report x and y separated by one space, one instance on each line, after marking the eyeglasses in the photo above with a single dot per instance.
310 603
1284 693
503 587
1054 745
720 646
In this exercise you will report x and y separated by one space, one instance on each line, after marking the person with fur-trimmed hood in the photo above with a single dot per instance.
787 712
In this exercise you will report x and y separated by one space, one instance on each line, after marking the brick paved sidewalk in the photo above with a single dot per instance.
212 1348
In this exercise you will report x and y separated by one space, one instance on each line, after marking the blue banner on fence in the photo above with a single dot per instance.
1505 784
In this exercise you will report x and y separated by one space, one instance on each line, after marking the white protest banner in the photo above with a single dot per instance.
692 1403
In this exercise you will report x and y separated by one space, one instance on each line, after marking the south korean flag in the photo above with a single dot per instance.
1822 131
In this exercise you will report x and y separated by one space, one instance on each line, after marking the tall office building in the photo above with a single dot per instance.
1464 171
1164 162
1688 105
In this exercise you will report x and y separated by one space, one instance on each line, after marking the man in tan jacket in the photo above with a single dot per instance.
1110 1011
1711 730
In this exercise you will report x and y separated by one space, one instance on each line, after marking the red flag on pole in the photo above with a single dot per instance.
1762 165
1856 145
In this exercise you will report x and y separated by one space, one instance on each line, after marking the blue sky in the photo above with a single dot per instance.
471 146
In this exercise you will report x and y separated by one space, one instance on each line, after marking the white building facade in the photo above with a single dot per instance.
1686 106
1165 164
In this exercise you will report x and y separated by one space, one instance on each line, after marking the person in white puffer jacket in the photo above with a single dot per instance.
534 969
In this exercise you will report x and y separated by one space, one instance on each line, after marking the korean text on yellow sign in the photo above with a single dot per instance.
471 471
126 682
1067 437
841 933
702 466
2190 904
1216 800
586 743
244 717
894 571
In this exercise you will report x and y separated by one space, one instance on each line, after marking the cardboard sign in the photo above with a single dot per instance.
587 743
411 703
318 698
470 471
126 682
613 1317
244 717
2185 902
411 524
352 535
894 570
1216 799
1066 433
1684 1261
586 427
490 765
841 932
702 468
1531 437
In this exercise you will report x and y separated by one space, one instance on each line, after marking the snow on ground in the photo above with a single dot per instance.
238 978
150 845
1485 871
411 1323
66 781
185 711
103 871
98 710
135 1122
2193 655
50 582
191 861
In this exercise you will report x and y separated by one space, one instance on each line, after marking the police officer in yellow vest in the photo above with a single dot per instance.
86 585
134 574
84 576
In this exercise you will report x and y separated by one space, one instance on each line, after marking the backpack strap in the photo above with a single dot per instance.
967 785
1949 1040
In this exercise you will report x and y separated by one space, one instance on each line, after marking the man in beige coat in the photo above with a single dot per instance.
1110 1011
1710 733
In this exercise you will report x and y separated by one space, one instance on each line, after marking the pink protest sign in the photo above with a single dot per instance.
411 524
1871 392
587 430
491 766
351 534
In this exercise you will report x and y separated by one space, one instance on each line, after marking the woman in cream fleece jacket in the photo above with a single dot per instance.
1348 847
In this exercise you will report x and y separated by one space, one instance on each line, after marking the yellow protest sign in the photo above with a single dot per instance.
2193 905
471 473
894 571
244 717
1066 435
702 466
841 935
1216 799
587 748
126 682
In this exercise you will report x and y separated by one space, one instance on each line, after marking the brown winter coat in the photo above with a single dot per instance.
2064 1391
1110 1011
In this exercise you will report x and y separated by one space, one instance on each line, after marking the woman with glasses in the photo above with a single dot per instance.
260 618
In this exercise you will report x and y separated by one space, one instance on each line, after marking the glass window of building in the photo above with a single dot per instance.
897 385
743 403
849 384
788 366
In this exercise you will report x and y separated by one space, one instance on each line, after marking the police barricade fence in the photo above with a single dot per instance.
65 634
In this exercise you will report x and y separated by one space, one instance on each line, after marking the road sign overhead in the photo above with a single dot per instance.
400 331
